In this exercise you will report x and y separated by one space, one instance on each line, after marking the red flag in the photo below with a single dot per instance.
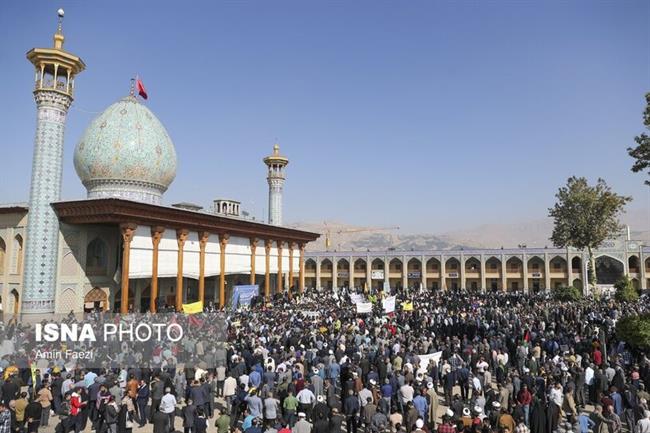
141 90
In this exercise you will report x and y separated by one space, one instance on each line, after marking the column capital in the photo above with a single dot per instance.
268 244
157 233
181 236
301 245
203 239
223 239
291 245
128 230
280 244
254 242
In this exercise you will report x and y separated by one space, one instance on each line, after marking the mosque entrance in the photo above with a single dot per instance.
608 270
95 300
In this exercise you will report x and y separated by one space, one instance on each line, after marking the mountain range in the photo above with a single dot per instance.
533 233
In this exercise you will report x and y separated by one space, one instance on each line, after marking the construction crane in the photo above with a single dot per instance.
328 232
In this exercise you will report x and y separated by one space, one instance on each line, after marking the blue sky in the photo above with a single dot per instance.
429 115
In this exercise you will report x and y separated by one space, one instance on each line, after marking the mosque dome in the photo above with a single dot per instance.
126 153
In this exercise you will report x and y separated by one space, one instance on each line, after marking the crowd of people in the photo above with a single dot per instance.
453 362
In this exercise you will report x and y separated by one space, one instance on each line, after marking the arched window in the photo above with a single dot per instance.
96 257
3 252
17 255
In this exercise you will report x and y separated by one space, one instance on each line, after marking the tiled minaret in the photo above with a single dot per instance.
276 164
55 73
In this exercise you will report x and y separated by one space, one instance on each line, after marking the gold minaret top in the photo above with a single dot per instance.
55 67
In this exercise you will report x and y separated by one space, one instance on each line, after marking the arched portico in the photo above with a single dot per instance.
360 269
608 270
395 273
433 273
473 274
414 272
536 275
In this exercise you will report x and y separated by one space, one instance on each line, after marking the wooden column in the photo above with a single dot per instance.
203 241
223 241
181 237
301 276
156 236
291 246
253 249
279 288
267 276
128 230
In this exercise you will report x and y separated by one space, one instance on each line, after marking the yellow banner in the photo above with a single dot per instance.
193 308
407 306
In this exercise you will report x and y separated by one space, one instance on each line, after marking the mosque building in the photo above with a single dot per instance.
121 248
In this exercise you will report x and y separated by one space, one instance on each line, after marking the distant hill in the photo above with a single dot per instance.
532 233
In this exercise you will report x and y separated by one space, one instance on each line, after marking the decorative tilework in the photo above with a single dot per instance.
127 153
41 243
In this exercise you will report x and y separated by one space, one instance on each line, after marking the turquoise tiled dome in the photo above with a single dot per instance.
126 153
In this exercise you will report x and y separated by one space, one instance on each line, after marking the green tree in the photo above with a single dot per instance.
569 293
585 216
641 153
635 330
625 290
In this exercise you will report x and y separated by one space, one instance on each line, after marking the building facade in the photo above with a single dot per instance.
528 270
121 248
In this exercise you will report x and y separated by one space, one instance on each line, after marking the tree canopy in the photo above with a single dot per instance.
584 215
641 153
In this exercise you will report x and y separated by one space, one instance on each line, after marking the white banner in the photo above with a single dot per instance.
356 298
377 275
364 307
388 304
425 359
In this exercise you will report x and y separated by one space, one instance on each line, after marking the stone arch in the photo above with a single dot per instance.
433 264
97 257
633 264
14 298
360 265
493 264
576 263
96 299
343 264
514 264
310 265
577 283
608 269
17 255
414 265
3 253
452 264
326 265
396 265
472 264
377 264
536 264
557 264
68 300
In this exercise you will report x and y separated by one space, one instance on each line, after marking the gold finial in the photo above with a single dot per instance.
276 149
58 36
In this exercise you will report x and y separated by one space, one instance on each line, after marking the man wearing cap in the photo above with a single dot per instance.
302 426
432 400
419 424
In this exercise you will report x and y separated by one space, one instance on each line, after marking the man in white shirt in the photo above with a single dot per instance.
168 406
643 425
229 390
306 398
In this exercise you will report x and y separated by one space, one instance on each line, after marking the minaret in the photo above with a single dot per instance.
276 164
55 73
